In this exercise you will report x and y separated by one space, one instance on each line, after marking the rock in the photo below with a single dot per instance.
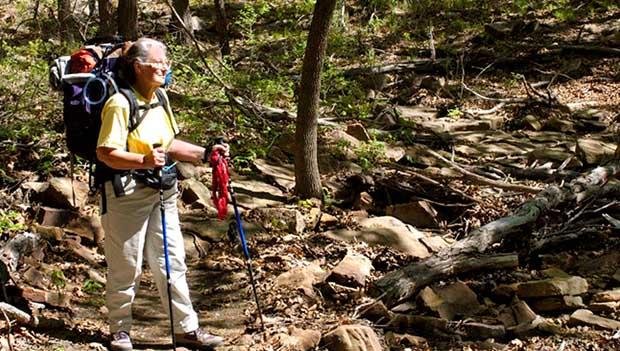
313 217
605 307
405 307
505 292
533 122
481 331
352 271
559 303
553 287
186 170
328 220
299 339
426 325
376 312
302 278
418 213
607 296
399 341
282 175
195 191
560 125
50 233
395 153
352 338
433 84
385 231
52 298
54 217
60 192
252 193
555 155
280 219
416 113
36 279
87 227
522 312
358 131
213 230
435 243
452 301
586 317
594 152
363 201
339 293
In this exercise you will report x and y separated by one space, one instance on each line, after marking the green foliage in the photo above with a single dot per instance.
455 113
370 154
91 287
58 279
11 222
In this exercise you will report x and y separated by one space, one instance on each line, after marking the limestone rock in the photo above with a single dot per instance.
302 278
283 175
449 302
586 317
358 131
60 191
553 287
386 231
418 213
557 303
352 271
352 338
280 219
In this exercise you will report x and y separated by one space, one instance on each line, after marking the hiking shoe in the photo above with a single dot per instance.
198 339
120 341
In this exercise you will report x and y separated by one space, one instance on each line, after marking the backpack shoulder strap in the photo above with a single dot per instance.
134 113
163 99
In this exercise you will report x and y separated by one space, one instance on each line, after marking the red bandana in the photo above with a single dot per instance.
219 187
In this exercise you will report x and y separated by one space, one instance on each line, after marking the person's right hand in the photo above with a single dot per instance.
222 147
156 158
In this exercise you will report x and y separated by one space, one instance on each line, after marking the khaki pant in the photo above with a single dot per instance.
133 229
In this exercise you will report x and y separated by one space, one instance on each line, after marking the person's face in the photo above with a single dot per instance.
153 70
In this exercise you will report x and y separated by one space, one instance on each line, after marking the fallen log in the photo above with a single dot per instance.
404 283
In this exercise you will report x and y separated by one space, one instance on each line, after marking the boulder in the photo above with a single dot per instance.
280 219
557 303
352 338
60 191
302 278
186 170
418 214
586 317
594 152
299 339
553 287
352 271
358 131
385 231
376 312
195 191
282 175
450 302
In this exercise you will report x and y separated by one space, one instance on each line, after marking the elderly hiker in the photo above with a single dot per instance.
129 151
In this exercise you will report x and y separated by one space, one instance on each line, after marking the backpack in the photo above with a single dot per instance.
87 79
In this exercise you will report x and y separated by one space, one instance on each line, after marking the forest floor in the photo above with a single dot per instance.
515 98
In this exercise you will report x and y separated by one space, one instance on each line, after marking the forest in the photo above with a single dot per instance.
410 174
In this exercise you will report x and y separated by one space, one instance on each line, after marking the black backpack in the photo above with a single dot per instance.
84 96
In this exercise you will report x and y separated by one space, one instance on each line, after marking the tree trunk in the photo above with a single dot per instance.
65 18
106 18
128 19
404 283
182 8
307 178
221 25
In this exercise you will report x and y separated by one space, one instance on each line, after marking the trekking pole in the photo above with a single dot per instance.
162 210
244 245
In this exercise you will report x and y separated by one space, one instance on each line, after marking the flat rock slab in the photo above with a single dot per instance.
283 175
452 301
586 317
553 287
387 231
607 296
352 271
352 338
557 303
252 194
302 278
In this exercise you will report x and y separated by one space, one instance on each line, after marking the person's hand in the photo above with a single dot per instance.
156 158
222 148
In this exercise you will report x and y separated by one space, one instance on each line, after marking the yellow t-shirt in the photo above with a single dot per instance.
155 128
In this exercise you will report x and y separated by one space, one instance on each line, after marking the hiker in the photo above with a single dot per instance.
130 201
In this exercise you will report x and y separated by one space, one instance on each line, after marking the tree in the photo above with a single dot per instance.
221 25
307 178
182 8
128 19
65 18
106 19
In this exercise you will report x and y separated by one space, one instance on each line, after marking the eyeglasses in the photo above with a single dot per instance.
157 65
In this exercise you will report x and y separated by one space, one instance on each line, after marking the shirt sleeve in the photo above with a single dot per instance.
114 123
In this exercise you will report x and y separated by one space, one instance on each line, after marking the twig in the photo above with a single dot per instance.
8 331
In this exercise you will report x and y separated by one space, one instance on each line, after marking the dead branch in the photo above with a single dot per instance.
404 283
483 180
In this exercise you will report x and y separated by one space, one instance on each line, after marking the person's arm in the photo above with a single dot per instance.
121 159
181 150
